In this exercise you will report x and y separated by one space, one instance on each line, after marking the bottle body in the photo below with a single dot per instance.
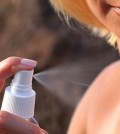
18 105
19 97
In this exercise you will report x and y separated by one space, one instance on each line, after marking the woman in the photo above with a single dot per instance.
99 110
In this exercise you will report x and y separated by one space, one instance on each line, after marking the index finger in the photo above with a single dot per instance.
11 65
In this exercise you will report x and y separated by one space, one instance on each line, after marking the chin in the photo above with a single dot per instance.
116 33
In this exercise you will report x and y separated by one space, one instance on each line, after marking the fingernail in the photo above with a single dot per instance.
28 62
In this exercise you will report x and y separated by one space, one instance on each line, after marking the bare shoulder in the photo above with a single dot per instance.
99 107
112 69
105 100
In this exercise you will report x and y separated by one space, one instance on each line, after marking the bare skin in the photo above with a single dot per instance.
10 124
99 110
108 13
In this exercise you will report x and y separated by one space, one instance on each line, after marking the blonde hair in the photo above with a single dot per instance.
79 10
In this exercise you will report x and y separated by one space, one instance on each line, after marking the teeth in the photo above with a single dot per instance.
116 9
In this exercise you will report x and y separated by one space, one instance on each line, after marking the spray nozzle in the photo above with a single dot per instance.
23 78
22 82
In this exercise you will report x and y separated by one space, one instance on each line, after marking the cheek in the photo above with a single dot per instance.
99 8
104 12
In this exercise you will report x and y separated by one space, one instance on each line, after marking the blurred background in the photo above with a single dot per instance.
31 29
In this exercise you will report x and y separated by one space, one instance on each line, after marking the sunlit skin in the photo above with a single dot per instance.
107 12
99 110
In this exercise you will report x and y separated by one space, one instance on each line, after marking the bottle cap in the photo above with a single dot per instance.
19 97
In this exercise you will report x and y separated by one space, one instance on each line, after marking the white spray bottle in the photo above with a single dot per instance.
19 97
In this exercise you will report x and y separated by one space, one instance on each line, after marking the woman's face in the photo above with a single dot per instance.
108 12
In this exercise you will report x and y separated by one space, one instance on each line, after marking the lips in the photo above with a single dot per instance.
116 9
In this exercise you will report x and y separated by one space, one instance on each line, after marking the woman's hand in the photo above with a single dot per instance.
11 124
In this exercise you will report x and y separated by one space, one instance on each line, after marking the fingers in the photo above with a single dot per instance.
11 65
32 120
43 131
14 125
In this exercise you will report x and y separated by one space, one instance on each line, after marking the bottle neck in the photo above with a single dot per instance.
20 89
